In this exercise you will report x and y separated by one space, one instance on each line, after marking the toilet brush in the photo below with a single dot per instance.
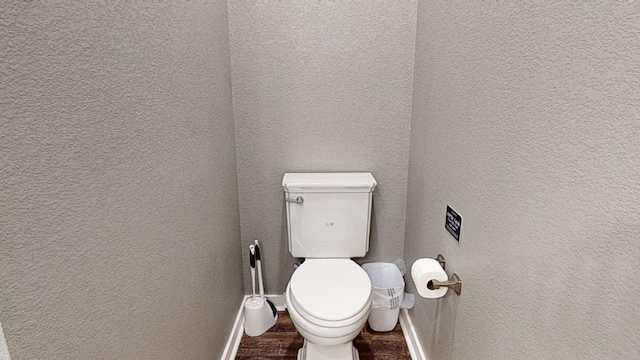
252 263
260 281
259 265
258 317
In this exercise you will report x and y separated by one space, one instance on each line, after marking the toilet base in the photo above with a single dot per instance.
311 351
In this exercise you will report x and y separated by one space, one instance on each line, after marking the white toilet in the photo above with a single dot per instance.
329 295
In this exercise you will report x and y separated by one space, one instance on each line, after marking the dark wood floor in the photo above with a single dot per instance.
283 341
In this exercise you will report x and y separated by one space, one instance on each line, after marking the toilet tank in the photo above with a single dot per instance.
328 214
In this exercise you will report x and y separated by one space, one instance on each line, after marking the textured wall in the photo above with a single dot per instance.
118 198
525 120
320 86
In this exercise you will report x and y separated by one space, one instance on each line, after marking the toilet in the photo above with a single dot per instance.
329 295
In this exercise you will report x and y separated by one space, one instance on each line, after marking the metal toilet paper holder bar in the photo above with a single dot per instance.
454 283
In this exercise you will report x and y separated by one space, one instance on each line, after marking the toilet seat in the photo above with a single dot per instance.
321 334
330 292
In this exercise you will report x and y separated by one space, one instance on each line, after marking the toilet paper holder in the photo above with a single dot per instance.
454 283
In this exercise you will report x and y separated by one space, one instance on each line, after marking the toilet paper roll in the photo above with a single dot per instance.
425 270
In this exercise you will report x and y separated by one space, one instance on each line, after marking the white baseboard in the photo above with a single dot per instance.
411 337
237 330
277 300
231 348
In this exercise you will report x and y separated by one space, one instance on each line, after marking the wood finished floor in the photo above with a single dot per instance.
283 341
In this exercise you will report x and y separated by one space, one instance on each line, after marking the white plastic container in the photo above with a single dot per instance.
386 295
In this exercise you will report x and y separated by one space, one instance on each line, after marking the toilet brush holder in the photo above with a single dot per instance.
258 316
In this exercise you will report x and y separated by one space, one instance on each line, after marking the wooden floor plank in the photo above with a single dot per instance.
282 342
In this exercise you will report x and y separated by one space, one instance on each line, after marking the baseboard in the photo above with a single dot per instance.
277 300
233 342
411 337
231 348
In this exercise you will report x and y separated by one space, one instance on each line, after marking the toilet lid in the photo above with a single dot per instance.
331 289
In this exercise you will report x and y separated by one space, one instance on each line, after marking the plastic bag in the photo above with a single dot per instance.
388 285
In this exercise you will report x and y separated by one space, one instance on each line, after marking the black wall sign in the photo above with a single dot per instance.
453 223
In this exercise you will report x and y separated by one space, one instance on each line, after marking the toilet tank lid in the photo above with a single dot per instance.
329 182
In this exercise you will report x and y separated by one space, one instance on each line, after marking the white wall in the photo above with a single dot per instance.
119 233
526 121
320 86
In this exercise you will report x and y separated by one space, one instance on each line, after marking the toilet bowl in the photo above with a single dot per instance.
329 301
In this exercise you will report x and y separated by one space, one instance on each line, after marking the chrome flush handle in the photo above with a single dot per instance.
299 200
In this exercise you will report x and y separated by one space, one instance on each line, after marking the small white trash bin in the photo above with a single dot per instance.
386 295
